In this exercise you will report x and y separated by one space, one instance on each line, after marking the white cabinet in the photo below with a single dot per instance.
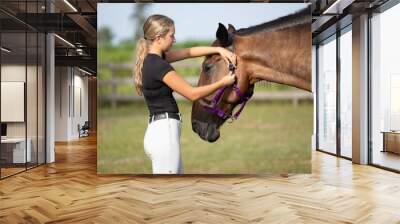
18 149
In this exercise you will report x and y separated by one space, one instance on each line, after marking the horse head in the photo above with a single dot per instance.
205 123
276 51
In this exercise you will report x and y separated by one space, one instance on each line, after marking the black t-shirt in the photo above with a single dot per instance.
157 94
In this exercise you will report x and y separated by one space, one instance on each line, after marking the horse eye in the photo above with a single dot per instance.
207 67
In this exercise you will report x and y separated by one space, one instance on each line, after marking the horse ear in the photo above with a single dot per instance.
231 29
222 35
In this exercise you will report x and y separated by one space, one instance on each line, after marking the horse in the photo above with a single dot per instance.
276 51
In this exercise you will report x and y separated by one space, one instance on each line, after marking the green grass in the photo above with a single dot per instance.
268 138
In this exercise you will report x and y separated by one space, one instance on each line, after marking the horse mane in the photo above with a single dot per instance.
297 18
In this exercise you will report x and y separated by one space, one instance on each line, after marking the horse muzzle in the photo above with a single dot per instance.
207 131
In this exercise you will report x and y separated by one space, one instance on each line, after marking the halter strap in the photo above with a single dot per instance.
219 112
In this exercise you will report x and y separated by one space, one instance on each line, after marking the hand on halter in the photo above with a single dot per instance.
229 79
227 55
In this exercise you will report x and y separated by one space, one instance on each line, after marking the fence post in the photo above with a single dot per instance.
295 101
113 89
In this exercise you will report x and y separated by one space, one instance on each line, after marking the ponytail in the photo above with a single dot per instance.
141 53
154 25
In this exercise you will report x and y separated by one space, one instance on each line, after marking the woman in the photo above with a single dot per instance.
156 79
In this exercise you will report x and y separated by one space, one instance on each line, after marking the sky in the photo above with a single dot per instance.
193 21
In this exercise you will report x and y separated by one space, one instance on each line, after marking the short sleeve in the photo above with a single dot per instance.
162 68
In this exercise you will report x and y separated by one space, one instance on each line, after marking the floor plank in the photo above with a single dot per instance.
70 191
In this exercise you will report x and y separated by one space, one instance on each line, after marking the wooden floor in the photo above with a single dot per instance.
387 159
10 171
70 191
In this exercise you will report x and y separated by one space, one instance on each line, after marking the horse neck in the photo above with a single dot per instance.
281 56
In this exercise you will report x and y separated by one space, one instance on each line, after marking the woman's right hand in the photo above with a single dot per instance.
228 79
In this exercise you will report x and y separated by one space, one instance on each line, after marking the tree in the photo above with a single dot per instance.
138 18
105 36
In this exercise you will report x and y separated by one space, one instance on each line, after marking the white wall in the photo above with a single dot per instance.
71 93
12 73
62 81
33 125
81 100
12 101
13 76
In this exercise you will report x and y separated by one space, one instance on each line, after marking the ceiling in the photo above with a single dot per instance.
76 20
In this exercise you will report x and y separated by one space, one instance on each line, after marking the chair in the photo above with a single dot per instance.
84 130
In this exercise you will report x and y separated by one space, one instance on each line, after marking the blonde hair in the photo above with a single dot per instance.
155 25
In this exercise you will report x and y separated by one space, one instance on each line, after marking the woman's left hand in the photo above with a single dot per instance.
227 55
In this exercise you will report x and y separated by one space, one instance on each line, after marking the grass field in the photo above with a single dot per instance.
268 138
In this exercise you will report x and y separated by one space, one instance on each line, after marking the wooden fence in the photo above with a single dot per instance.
293 96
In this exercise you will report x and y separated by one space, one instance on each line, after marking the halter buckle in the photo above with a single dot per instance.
231 67
220 113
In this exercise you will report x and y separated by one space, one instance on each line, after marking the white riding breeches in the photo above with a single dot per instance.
162 146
